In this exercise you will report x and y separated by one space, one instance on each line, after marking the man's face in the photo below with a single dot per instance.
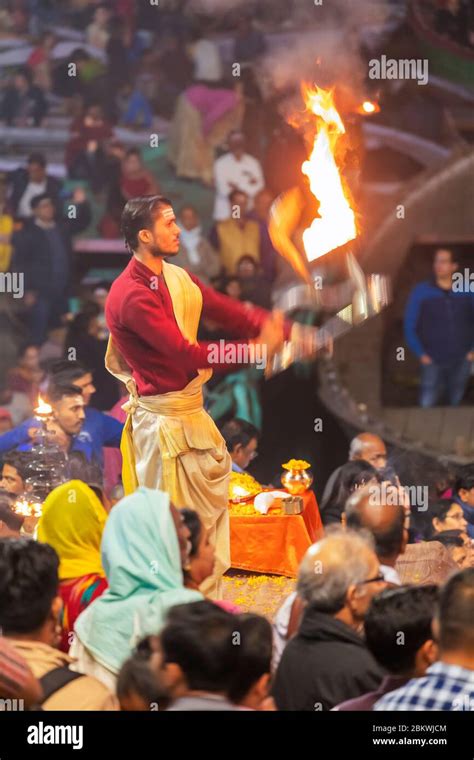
36 172
366 591
443 265
189 218
11 480
85 383
44 211
376 455
243 455
163 238
6 424
30 358
69 414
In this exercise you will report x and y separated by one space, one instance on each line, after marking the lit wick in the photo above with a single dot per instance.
43 410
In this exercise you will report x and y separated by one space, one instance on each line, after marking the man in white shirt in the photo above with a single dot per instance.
207 61
235 170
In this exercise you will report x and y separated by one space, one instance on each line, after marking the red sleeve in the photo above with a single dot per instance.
141 315
233 315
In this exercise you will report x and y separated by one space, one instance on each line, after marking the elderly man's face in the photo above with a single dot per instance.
376 455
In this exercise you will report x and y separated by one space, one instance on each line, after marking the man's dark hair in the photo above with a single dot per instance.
65 372
37 158
456 603
255 654
195 526
37 199
238 431
387 542
405 610
137 677
19 460
198 638
450 249
57 391
464 478
138 214
8 516
448 538
28 584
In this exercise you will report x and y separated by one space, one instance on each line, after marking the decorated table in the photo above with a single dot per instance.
275 542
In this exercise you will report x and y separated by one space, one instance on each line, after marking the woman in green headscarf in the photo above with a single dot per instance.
143 548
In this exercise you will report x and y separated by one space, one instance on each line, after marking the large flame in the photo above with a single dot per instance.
43 409
336 222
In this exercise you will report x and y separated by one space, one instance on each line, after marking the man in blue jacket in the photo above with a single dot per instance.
439 329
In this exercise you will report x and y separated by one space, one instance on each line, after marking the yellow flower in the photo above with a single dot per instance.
296 464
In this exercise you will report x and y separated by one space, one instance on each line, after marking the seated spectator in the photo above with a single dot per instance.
236 170
140 683
136 179
10 523
261 214
16 679
72 522
176 72
43 252
231 287
350 477
199 657
464 495
53 348
196 254
16 407
102 429
201 560
27 182
40 60
23 104
447 684
6 230
254 287
144 547
66 428
241 439
327 662
98 32
457 544
250 684
14 474
26 376
85 155
378 510
443 515
134 107
29 611
205 55
236 236
249 43
366 446
398 633
99 297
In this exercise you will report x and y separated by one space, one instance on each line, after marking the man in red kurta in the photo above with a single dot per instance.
153 311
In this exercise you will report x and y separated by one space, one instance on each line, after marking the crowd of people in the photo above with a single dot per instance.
101 594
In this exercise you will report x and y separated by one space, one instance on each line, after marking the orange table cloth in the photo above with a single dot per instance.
274 543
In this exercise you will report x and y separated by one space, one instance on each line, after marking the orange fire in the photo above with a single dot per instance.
336 222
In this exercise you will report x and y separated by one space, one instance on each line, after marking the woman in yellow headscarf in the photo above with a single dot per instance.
72 523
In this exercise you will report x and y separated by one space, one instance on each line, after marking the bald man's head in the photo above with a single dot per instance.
340 573
370 448
380 509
